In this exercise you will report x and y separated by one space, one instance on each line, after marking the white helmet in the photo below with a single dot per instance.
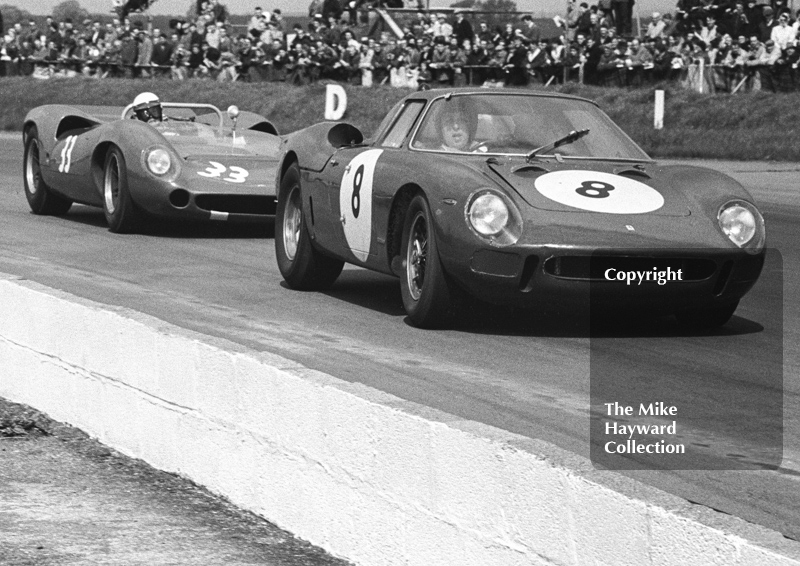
147 106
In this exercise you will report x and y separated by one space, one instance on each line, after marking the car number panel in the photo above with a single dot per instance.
69 166
356 203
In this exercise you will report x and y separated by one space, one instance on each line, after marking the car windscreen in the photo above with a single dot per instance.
517 124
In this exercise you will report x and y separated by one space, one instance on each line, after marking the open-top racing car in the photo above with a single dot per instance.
177 160
514 197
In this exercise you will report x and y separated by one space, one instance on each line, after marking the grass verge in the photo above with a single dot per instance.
756 125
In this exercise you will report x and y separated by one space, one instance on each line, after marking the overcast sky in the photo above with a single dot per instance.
179 7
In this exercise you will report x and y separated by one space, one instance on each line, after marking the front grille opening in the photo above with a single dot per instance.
528 271
593 268
722 280
179 198
237 204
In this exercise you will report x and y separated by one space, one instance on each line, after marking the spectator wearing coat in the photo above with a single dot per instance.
783 34
145 55
623 16
530 30
766 61
162 56
516 63
96 34
462 29
656 26
766 25
129 53
537 60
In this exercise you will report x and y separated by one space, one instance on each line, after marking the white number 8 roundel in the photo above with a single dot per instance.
599 192
355 202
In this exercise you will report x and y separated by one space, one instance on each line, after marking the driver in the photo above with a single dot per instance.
457 128
147 107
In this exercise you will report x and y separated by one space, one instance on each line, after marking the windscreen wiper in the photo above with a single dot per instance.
571 137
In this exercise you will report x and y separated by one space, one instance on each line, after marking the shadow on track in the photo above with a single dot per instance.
161 228
367 289
381 293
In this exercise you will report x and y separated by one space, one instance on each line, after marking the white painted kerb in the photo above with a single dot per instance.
367 476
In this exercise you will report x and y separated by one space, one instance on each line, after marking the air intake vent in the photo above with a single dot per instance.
593 268
237 204
634 173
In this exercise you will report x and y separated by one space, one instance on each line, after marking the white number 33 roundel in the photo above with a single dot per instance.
234 174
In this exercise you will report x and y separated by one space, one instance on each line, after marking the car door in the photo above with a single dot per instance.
346 174
355 188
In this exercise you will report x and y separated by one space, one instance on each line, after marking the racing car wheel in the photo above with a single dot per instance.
120 211
302 266
41 198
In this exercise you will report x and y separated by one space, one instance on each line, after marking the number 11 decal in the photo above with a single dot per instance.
66 154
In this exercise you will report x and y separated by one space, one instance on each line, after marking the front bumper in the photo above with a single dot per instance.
174 200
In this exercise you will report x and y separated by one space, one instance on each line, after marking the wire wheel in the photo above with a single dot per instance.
302 266
120 210
417 256
111 184
428 297
41 198
33 171
292 223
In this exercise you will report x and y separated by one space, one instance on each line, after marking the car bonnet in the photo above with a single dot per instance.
606 187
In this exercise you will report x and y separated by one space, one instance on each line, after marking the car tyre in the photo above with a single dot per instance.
707 318
120 211
302 266
41 197
428 296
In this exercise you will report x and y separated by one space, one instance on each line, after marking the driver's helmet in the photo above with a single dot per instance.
147 107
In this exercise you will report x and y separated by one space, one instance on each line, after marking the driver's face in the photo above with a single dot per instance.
151 113
454 131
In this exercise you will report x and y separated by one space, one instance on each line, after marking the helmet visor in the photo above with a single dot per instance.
148 110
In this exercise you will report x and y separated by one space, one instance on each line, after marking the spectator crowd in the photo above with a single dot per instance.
731 43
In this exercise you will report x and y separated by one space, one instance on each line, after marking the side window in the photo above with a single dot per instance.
403 124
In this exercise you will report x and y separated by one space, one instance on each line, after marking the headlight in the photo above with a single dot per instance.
494 218
743 224
158 161
488 214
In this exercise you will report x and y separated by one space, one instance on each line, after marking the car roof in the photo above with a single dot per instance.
437 92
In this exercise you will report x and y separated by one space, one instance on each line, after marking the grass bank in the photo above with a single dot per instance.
757 125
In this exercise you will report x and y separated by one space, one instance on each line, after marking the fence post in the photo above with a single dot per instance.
701 76
658 114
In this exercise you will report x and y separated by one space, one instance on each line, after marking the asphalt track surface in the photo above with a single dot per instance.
520 373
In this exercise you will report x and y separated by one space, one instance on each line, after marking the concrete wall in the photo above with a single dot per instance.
365 475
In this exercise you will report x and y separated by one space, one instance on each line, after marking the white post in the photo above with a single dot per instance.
701 73
658 120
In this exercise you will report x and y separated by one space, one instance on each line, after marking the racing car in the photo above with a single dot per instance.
515 197
193 162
